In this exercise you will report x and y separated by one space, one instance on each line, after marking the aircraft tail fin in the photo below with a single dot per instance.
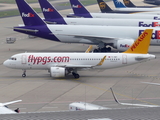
103 6
128 3
118 4
50 13
29 16
79 9
141 45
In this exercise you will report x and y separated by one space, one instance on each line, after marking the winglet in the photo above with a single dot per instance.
79 9
128 3
102 61
50 13
118 4
103 6
115 98
141 45
89 49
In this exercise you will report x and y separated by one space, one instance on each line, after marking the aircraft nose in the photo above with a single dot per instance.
6 63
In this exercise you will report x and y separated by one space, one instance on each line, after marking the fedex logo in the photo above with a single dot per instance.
156 18
76 6
48 10
155 35
125 45
140 39
27 15
153 24
47 59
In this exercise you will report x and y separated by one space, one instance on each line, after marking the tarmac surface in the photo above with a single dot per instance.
39 92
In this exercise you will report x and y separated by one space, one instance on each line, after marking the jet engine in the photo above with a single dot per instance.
123 45
57 72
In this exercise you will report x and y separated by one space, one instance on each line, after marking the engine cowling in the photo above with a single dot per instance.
123 45
57 72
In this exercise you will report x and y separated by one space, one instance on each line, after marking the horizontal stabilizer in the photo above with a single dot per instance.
29 30
141 58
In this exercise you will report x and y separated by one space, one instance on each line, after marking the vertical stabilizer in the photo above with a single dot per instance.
29 16
128 3
141 45
79 9
118 4
50 13
103 6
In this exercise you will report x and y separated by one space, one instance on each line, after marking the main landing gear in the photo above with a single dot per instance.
75 75
102 47
24 73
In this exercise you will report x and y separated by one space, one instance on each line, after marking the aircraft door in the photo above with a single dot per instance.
24 59
124 59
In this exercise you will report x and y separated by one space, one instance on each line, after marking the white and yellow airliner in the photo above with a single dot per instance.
61 64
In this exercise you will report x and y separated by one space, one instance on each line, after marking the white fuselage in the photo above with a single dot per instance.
125 16
113 22
96 34
138 9
47 60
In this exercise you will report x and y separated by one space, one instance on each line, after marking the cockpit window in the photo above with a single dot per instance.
13 58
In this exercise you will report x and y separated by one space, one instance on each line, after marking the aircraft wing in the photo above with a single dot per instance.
5 110
92 37
131 104
83 66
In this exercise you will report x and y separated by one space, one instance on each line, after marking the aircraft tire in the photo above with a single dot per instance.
95 50
75 75
23 75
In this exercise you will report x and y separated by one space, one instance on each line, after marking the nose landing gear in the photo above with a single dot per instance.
24 73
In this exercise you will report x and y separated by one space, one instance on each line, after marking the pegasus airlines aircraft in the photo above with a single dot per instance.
83 12
62 64
119 37
52 16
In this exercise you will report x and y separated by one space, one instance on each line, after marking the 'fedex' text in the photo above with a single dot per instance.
155 35
27 15
153 24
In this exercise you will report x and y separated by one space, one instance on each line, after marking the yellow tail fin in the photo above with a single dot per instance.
141 45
